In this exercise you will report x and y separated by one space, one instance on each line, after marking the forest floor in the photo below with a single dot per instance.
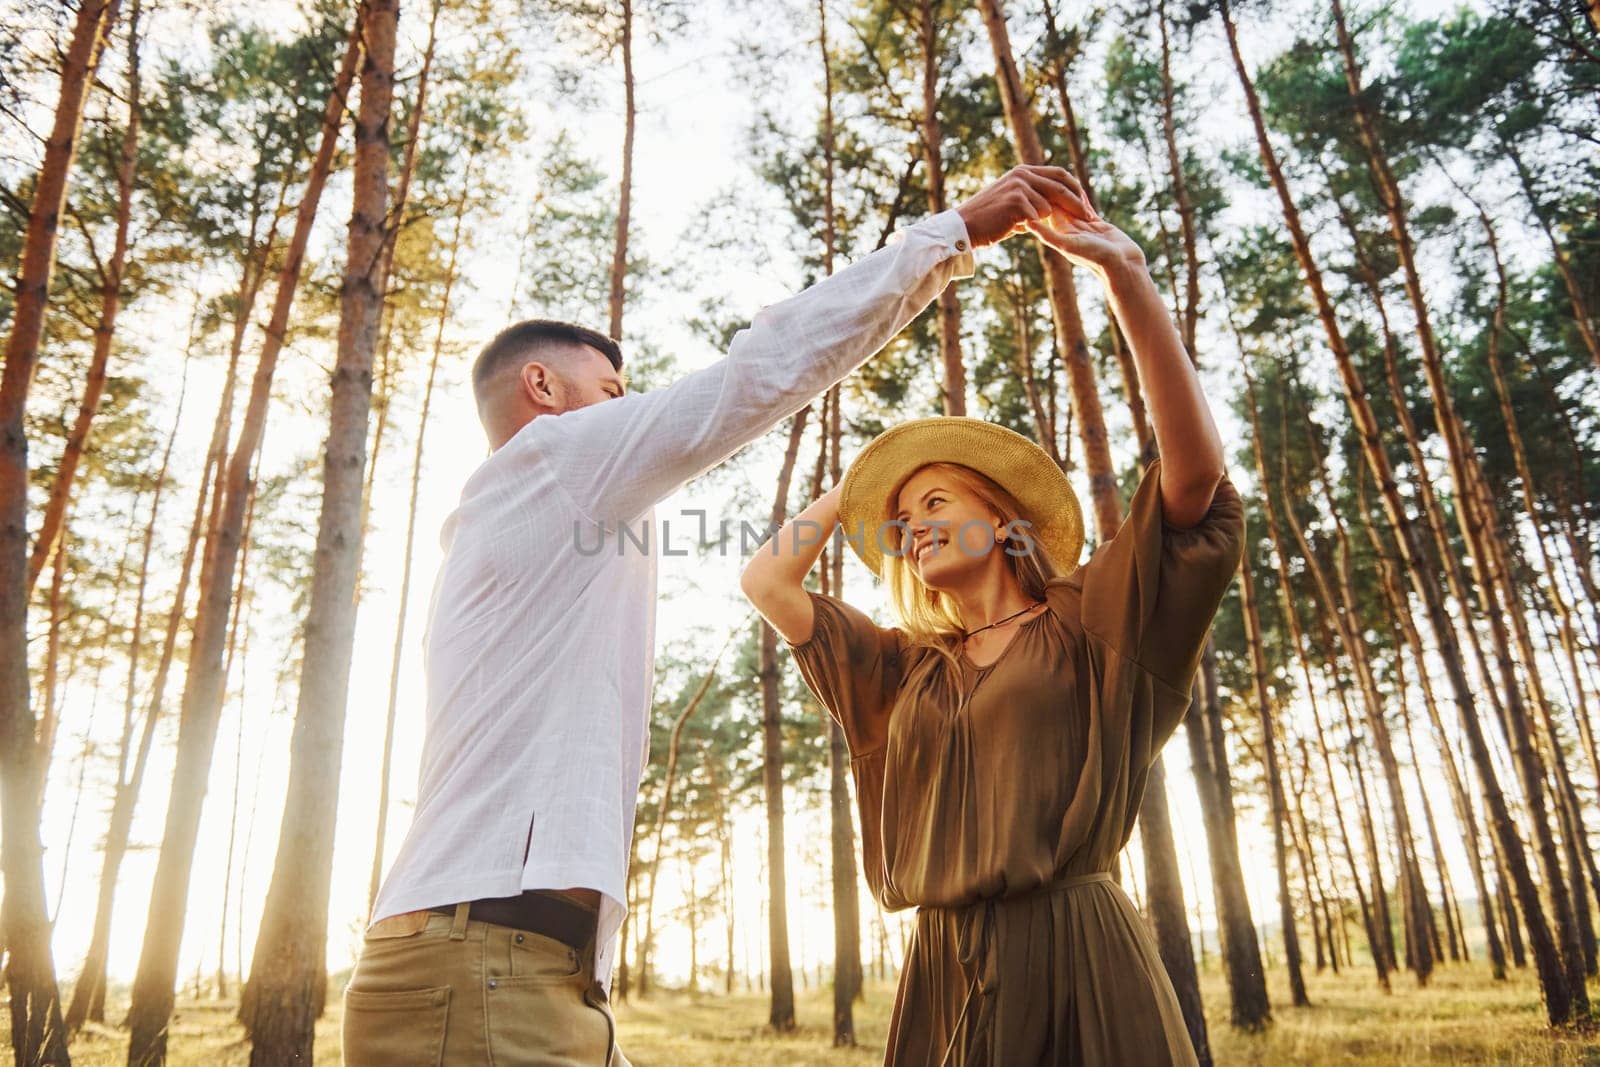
1462 1017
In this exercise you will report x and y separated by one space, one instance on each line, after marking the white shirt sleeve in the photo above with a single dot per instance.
617 458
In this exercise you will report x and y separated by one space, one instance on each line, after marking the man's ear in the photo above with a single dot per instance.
539 385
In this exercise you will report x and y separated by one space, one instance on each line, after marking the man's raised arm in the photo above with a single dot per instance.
619 457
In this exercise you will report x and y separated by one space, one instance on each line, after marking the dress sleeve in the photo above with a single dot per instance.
1151 592
852 665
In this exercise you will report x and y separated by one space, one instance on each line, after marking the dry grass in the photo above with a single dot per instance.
1460 1018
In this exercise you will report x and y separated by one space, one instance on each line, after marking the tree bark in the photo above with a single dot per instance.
847 972
1057 72
241 625
619 255
1339 597
1166 893
288 977
1278 808
1104 494
1401 612
781 1016
1241 952
954 385
1399 604
1548 563
384 389
37 1032
110 302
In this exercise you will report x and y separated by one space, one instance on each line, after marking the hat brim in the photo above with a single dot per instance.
1024 469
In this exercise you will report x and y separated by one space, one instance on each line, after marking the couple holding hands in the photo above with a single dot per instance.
1000 734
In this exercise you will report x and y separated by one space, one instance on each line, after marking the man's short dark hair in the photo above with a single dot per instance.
520 340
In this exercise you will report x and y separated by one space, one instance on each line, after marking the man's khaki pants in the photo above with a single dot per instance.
439 990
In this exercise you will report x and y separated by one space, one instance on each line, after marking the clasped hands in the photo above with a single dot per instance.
1050 203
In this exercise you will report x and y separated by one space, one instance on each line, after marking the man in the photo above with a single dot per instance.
492 938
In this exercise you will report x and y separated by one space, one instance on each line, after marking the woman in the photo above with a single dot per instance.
1001 735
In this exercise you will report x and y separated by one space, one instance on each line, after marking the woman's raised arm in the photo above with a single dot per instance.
774 579
1192 459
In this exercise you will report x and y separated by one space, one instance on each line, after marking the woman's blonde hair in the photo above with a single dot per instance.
929 616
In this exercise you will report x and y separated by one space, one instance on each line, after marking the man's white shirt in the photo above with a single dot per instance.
540 643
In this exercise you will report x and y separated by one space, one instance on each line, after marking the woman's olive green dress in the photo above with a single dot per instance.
994 799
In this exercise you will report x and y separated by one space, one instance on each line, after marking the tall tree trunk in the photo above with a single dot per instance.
1104 493
619 254
1165 894
781 1016
1277 807
1548 562
954 384
156 977
241 625
110 302
719 808
37 1033
50 711
847 974
1241 952
1558 998
1445 894
1022 306
1056 70
288 979
1319 903
384 390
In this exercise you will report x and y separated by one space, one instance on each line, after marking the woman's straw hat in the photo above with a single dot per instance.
1011 460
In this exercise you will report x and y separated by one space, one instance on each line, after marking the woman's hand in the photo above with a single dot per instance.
1087 239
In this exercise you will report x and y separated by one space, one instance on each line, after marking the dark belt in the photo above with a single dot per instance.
537 912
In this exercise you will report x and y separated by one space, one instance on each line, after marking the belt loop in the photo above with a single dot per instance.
458 925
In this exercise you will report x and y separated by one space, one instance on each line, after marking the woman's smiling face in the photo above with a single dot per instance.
947 530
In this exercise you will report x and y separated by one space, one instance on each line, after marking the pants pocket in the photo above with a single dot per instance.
536 956
403 1028
535 1020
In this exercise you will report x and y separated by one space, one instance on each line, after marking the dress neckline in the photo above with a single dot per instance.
968 661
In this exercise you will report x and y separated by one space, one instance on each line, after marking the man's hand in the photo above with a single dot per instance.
1021 196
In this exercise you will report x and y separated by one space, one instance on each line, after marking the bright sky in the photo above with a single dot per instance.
691 145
